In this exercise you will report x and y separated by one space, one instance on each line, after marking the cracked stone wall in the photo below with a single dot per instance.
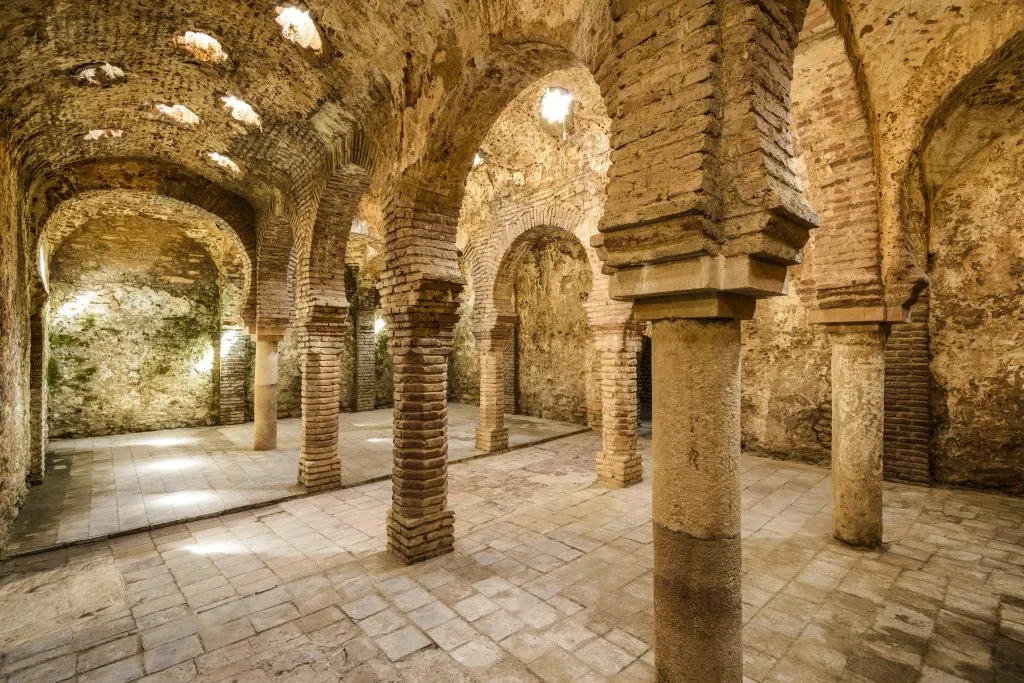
976 320
134 331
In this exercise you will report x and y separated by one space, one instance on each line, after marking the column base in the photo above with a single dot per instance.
492 440
618 472
319 475
417 539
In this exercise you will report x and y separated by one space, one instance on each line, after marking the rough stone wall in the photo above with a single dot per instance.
464 364
134 331
976 321
14 349
555 347
786 390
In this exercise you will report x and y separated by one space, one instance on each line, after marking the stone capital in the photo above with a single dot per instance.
270 334
710 305
739 274
861 315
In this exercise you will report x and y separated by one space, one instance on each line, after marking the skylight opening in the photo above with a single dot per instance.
99 75
201 46
178 113
240 110
225 162
556 105
478 159
298 27
103 134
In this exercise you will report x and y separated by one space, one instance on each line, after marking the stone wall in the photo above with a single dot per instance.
134 331
14 349
786 392
464 367
976 321
554 348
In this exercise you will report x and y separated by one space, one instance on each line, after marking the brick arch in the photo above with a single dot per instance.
224 245
833 131
431 188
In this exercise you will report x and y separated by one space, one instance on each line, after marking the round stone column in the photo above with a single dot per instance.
858 391
265 393
696 500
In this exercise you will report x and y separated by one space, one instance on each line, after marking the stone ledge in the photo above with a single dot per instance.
862 314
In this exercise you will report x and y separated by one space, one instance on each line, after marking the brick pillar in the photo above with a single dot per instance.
37 395
231 383
420 525
618 463
366 353
321 347
908 420
265 389
494 345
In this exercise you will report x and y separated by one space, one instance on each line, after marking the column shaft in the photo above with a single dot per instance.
858 390
618 463
319 457
231 388
696 500
265 395
491 434
366 355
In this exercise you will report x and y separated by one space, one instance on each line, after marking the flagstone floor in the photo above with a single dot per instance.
96 487
550 580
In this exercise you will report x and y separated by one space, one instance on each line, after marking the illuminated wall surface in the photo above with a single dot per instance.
134 331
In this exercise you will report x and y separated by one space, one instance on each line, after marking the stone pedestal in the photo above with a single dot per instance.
618 463
319 458
265 392
858 391
696 500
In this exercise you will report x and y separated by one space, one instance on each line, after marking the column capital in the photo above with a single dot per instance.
695 306
860 315
270 334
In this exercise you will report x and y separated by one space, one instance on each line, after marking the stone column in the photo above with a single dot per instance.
494 345
858 391
618 463
319 459
696 486
858 417
265 390
420 525
38 394
366 353
231 385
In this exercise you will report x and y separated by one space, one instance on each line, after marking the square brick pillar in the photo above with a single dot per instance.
420 525
618 463
321 346
366 354
37 395
494 345
231 382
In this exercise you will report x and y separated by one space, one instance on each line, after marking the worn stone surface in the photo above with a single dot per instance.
134 331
